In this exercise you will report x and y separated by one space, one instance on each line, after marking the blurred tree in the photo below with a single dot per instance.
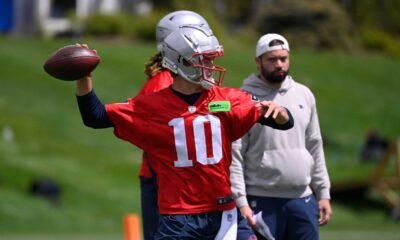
328 24
162 4
378 24
380 14
321 24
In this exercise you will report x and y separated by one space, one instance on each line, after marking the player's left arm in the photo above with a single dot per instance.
93 111
275 116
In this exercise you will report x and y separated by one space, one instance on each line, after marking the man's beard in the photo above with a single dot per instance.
273 76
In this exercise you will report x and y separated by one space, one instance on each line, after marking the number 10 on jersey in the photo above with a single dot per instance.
199 133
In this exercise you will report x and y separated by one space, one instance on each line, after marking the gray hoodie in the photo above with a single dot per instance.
275 163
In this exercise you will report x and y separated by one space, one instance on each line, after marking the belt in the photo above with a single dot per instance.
225 200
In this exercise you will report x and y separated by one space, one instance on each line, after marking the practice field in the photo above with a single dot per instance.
98 174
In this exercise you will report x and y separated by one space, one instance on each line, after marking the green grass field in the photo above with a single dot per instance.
99 173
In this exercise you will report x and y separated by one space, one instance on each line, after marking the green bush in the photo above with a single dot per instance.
378 40
144 27
98 24
318 24
122 25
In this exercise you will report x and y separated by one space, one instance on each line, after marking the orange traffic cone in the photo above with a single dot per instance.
132 227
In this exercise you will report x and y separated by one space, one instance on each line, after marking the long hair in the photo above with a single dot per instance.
153 65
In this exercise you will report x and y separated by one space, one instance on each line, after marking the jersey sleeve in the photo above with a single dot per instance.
154 84
129 124
245 113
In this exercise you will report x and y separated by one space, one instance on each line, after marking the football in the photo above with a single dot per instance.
71 62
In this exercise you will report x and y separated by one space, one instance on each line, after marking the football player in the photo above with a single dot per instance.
159 78
187 131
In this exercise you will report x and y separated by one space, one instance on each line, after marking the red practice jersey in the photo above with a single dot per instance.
159 81
189 146
154 84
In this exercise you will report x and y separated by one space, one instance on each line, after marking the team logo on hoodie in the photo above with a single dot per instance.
254 98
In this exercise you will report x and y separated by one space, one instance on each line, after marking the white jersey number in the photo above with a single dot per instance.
200 140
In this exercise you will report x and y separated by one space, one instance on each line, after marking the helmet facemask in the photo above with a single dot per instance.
204 63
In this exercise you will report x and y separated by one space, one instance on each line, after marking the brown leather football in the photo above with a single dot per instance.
71 62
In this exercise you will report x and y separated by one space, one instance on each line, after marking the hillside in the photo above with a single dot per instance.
98 173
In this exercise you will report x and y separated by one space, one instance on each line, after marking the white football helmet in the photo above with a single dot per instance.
174 20
190 52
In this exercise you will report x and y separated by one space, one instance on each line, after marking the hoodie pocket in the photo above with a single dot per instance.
286 168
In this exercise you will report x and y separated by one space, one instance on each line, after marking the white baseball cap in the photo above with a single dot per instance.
263 44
